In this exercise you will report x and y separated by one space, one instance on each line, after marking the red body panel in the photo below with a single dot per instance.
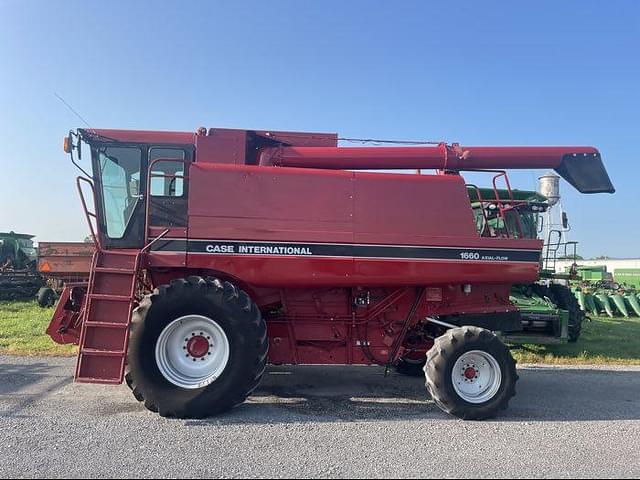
316 206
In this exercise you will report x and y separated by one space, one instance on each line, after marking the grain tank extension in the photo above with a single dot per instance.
222 250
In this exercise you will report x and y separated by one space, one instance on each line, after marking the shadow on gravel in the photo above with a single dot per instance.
18 377
28 383
339 394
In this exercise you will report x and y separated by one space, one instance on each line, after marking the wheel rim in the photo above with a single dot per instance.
476 376
192 351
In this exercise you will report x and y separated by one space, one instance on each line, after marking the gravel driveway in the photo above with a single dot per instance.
321 422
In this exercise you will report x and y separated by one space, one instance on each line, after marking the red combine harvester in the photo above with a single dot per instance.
222 250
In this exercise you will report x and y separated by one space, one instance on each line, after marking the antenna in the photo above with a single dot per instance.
72 110
79 140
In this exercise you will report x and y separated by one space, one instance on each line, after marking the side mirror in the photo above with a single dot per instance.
565 220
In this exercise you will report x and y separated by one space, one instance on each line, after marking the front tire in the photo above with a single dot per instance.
470 373
197 348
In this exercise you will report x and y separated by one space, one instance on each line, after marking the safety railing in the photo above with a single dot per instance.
504 206
89 214
555 249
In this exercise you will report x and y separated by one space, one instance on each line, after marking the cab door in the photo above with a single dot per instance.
120 202
168 193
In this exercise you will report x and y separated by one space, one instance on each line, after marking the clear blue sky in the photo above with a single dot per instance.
487 73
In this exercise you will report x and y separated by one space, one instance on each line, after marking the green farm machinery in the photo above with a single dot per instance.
19 277
598 293
550 312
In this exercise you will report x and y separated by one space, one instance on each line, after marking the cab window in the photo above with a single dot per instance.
119 178
167 174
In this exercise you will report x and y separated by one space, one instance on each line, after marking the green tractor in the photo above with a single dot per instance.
19 277
550 312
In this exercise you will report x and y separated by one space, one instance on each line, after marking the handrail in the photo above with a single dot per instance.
87 213
148 246
504 205
551 249
503 210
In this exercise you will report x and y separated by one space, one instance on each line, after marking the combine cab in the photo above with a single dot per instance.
220 251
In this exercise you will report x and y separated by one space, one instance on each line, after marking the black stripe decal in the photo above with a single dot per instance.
222 247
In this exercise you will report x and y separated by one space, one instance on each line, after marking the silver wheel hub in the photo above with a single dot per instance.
192 351
476 376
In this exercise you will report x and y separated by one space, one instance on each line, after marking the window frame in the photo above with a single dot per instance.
104 224
163 159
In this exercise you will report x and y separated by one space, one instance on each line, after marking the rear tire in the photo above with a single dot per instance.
470 373
242 336
46 297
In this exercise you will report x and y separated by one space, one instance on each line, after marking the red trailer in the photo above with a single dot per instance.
220 250
62 263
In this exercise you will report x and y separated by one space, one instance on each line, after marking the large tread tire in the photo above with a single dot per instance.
566 300
241 321
46 297
441 359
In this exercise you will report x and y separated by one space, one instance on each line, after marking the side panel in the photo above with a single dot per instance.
279 227
411 209
64 259
261 203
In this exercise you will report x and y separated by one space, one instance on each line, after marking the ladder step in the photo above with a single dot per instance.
119 253
121 271
99 381
92 352
106 325
115 298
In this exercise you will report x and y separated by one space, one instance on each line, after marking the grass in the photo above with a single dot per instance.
604 341
22 330
613 341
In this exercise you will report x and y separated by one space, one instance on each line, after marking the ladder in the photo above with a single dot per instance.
109 303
